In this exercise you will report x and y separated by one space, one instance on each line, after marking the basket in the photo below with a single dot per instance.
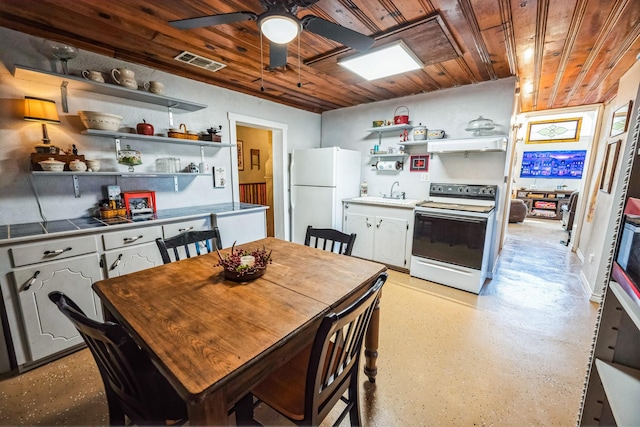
401 119
182 135
247 277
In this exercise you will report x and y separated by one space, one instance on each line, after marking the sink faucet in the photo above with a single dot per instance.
393 185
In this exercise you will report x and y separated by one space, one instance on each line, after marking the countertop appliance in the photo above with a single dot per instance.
320 179
453 234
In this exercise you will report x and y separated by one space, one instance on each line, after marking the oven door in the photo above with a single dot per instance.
452 238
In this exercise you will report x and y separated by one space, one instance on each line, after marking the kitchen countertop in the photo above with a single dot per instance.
12 233
385 201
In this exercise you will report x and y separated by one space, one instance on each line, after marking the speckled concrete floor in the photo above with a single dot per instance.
516 355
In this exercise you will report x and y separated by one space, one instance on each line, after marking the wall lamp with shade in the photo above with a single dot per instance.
279 27
44 111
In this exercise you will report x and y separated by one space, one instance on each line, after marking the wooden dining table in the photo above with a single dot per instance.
214 339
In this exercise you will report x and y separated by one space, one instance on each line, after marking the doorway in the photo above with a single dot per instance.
279 164
545 192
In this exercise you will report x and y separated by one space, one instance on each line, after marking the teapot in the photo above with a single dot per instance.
124 77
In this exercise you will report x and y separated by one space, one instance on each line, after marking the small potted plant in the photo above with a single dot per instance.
242 265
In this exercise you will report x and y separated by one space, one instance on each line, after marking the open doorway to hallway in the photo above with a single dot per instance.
278 156
255 169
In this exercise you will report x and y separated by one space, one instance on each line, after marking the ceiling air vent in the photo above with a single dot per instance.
199 61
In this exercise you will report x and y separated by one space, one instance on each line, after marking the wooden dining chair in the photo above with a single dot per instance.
308 387
198 241
134 387
329 239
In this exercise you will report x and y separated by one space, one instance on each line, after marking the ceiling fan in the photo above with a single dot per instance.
280 25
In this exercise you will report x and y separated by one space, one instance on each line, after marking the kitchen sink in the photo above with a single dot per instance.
376 200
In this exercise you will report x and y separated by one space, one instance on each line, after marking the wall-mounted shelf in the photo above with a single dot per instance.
76 185
135 136
79 83
414 143
384 155
390 128
495 143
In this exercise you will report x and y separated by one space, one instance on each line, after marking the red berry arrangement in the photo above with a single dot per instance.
231 262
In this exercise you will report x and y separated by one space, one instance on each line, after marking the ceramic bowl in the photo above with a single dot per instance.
100 121
94 165
77 166
52 165
435 134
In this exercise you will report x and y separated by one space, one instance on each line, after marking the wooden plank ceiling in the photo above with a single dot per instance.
564 53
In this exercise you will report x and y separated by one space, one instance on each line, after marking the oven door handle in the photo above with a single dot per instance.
452 216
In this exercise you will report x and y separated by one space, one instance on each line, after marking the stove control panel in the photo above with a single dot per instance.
465 191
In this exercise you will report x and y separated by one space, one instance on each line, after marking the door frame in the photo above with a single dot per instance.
279 155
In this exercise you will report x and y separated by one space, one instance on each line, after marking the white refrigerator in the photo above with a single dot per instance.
320 179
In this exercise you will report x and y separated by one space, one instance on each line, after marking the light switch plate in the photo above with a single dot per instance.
219 176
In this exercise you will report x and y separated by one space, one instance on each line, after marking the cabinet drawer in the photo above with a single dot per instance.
130 237
52 250
129 260
170 230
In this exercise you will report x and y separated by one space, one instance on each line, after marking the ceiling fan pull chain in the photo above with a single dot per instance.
299 82
261 66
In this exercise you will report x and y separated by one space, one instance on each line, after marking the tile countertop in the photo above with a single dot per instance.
12 233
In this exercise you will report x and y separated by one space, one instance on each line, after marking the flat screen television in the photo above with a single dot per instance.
553 164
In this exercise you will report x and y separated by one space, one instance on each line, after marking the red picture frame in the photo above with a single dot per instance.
140 202
419 163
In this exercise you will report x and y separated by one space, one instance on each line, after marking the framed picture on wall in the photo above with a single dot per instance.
609 166
419 163
240 156
547 131
620 120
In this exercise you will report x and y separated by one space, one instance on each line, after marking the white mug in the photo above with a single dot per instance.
96 76
154 87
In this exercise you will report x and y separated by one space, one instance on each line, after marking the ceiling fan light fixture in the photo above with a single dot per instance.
384 61
280 29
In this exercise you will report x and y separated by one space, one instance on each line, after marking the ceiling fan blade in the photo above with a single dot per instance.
211 20
347 37
277 55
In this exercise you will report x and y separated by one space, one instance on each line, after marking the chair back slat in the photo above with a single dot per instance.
198 241
132 383
329 239
335 356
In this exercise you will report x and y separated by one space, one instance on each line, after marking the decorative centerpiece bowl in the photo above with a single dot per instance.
242 265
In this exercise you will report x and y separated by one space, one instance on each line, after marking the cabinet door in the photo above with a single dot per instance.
241 227
47 331
129 260
362 225
390 241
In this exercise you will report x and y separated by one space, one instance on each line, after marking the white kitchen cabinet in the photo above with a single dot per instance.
383 233
241 226
200 224
46 330
129 260
131 250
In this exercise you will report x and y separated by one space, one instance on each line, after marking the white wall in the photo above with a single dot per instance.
450 110
17 200
596 235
